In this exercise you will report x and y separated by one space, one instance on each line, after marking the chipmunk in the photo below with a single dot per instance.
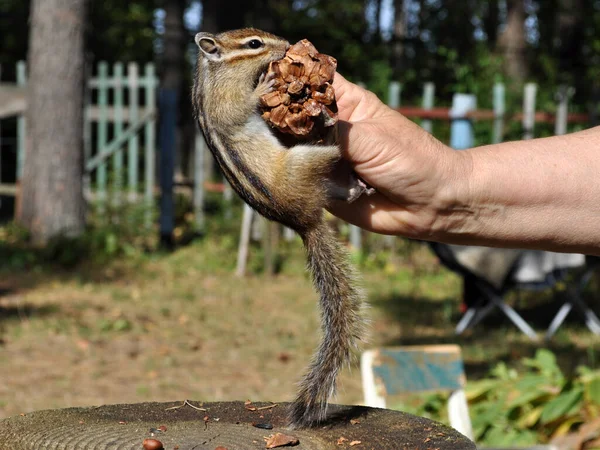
288 185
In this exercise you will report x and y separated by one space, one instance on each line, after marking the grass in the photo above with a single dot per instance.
180 325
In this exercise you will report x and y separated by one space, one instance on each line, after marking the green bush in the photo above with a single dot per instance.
525 406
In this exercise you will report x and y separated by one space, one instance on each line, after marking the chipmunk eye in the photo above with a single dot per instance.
255 43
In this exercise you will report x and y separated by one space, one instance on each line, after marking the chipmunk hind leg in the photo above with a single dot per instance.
322 167
305 181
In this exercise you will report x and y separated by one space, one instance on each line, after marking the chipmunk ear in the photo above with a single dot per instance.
208 46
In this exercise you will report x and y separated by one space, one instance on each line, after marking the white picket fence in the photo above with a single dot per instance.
119 132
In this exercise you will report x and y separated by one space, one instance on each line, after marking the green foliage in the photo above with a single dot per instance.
121 31
124 235
14 15
524 406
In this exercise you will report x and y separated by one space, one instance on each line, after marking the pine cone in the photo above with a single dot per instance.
302 107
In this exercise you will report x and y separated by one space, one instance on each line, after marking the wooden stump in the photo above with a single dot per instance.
230 425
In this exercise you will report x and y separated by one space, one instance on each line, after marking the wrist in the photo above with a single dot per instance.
453 204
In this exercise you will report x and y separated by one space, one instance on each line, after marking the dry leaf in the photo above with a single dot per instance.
341 440
281 440
353 443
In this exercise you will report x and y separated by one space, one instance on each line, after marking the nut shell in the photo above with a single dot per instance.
152 444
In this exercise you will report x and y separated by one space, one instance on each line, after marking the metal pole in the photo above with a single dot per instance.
168 123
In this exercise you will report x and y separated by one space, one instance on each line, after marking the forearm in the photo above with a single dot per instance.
542 194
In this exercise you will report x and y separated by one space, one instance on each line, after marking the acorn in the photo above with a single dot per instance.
152 444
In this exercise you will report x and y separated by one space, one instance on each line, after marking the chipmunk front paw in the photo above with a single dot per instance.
266 84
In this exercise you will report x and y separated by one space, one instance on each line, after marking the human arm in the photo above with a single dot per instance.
539 194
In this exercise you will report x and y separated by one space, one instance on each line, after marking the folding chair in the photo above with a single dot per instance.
391 371
483 296
575 301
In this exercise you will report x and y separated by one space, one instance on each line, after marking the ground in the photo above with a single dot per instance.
167 327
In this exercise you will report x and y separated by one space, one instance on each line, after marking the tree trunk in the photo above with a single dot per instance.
52 201
210 11
377 31
172 77
570 37
511 42
399 34
491 23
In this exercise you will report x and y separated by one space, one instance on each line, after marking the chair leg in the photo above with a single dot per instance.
458 413
472 317
560 317
516 319
591 319
483 313
465 322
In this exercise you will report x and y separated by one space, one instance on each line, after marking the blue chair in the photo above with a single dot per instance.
434 368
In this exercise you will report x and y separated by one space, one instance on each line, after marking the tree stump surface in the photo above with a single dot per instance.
229 425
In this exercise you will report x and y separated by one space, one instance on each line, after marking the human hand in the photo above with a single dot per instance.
414 173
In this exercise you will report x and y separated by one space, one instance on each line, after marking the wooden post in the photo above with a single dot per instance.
529 110
428 99
356 238
102 138
499 111
394 94
268 246
461 128
288 234
0 144
132 154
563 96
150 83
227 200
21 122
256 230
21 146
118 122
242 259
87 133
198 197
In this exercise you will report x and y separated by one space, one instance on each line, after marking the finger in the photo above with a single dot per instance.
348 96
373 213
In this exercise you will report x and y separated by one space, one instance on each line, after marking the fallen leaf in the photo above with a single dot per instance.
341 440
281 440
353 443
354 421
